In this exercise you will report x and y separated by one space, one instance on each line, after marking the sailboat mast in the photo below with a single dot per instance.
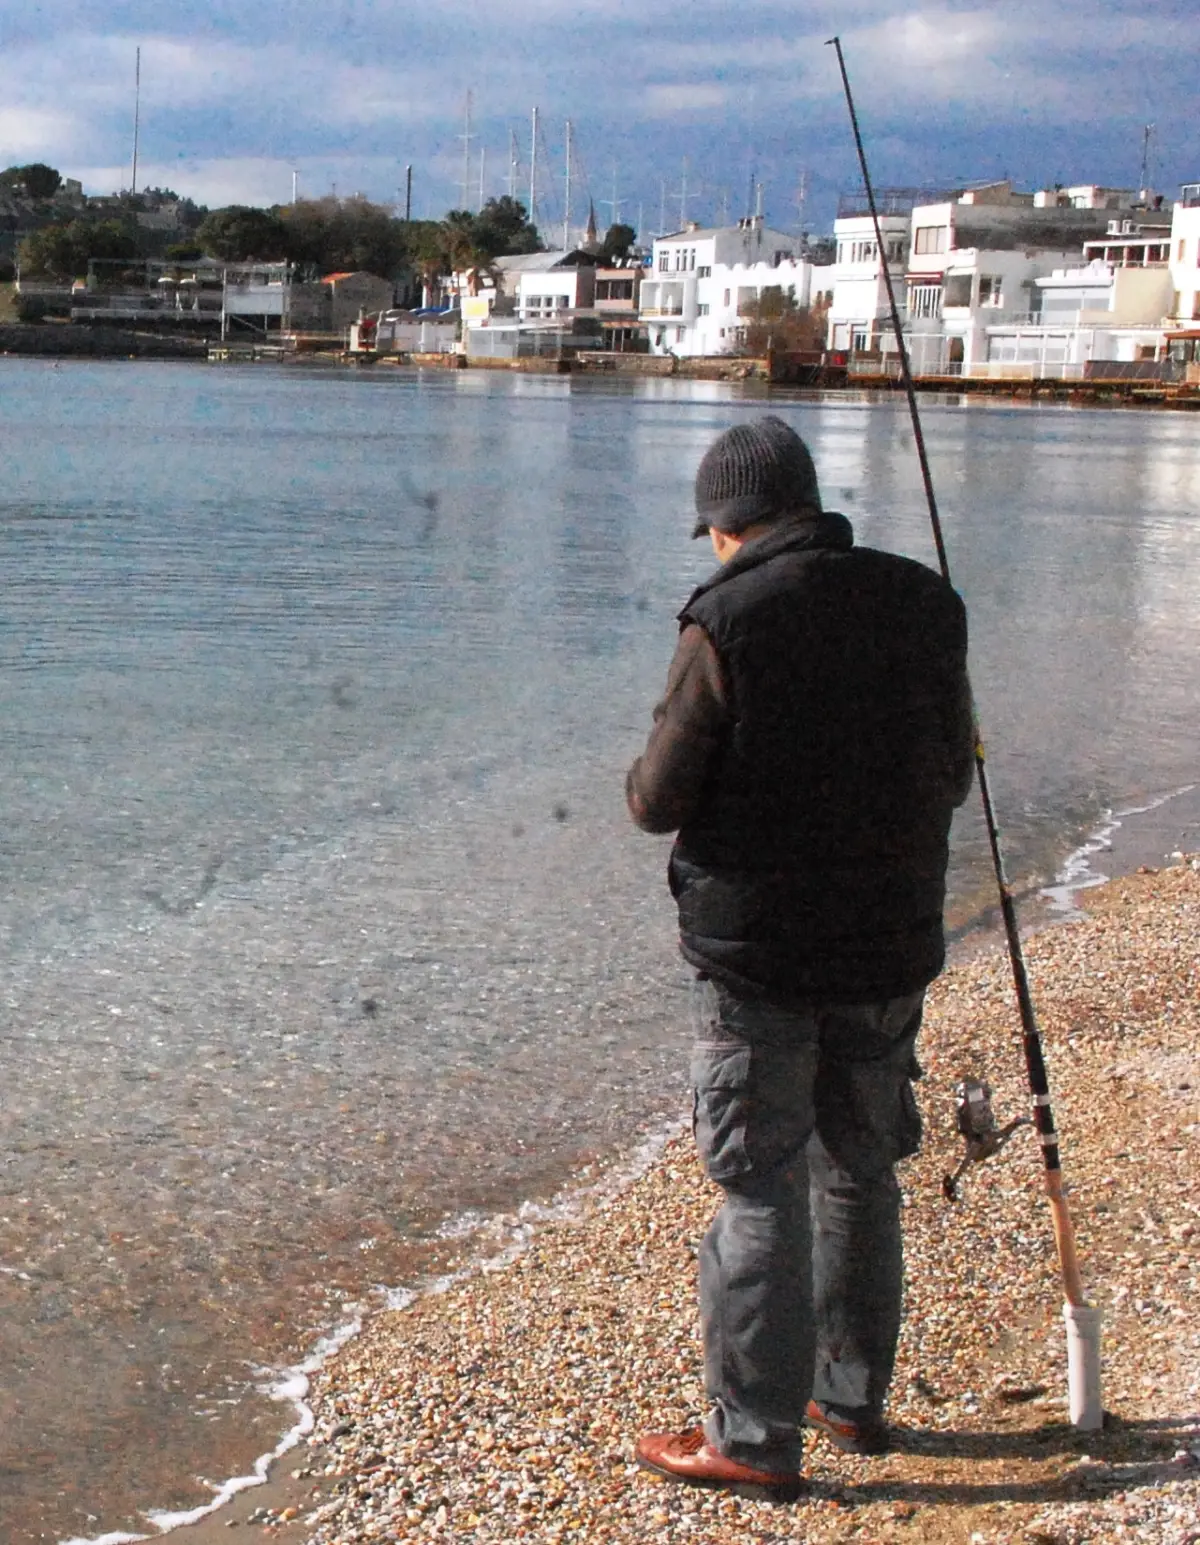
533 172
467 137
567 196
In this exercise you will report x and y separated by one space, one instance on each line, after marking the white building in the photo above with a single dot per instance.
1082 316
1185 256
552 290
976 259
701 282
859 317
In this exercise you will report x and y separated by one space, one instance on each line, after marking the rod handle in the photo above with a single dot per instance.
1064 1239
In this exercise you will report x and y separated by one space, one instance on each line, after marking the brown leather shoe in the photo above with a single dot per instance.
689 1457
862 1434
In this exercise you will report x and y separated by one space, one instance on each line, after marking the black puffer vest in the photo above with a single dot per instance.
817 868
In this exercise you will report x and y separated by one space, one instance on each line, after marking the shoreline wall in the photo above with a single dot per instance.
55 340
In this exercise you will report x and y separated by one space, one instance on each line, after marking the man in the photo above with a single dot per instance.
814 739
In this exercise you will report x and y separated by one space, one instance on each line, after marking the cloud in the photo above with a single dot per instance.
26 132
671 100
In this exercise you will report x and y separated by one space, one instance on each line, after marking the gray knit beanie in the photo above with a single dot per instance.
754 472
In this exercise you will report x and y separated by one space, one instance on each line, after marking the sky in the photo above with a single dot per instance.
675 109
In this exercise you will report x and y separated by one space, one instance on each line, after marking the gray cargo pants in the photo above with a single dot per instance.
800 1116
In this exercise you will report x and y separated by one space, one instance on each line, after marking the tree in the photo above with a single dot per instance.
466 247
242 234
63 251
617 241
37 180
502 228
326 235
776 321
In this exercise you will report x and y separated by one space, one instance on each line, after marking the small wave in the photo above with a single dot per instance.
499 1238
1077 873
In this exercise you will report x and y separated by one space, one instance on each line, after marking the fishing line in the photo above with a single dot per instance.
1083 1321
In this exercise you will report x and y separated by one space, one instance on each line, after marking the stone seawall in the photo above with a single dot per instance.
55 340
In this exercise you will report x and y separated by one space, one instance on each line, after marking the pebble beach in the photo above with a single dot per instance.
503 1405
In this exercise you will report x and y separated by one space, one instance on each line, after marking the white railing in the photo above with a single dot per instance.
1025 370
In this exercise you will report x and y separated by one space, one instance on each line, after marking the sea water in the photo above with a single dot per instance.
323 927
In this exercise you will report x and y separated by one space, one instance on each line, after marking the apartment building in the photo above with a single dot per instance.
696 294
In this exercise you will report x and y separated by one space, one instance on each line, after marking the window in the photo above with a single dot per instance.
725 302
958 290
925 300
863 251
895 249
841 251
1182 249
702 309
991 291
931 238
704 271
679 335
664 258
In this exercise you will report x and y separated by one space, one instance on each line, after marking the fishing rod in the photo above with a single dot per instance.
1082 1320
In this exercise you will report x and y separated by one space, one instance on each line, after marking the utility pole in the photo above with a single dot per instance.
533 171
466 136
567 195
137 113
408 192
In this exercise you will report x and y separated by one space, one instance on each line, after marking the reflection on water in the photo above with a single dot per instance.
322 916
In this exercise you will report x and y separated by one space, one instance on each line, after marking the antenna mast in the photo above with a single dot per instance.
137 113
1147 137
614 203
682 196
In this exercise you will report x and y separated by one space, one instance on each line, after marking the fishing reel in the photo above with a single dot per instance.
977 1124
